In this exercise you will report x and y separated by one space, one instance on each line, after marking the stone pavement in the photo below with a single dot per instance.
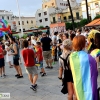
49 87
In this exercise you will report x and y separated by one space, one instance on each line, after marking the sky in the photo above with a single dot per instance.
27 7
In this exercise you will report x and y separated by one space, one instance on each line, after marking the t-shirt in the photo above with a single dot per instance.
54 39
39 52
28 57
46 43
1 50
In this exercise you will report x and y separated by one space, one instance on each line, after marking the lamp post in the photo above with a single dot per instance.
19 18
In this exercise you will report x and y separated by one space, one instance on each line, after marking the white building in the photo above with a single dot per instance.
93 7
7 15
27 23
43 16
48 7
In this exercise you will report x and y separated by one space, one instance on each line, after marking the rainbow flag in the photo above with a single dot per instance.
95 53
84 71
89 46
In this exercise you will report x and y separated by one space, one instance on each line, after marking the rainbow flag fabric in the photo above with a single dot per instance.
95 53
84 71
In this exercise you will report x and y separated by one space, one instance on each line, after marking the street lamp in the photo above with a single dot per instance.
19 17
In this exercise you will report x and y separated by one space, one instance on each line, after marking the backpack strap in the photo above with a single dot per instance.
66 61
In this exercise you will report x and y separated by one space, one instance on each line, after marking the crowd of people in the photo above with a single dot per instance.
72 49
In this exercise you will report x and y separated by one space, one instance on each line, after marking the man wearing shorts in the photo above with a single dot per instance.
28 57
46 45
15 53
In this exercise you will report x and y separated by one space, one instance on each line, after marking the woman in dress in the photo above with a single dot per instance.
9 58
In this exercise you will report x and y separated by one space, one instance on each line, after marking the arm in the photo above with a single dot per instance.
15 51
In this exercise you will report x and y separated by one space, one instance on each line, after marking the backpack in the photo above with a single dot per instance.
66 62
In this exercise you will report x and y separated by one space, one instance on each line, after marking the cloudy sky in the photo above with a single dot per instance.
27 7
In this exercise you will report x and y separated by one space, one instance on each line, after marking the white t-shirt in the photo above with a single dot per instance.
33 42
54 39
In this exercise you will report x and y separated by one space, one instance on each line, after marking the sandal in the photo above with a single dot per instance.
51 67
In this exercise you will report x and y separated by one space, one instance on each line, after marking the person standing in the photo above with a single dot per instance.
46 45
15 53
2 63
40 58
28 57
54 41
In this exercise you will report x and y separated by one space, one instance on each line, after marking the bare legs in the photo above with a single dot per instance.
33 79
60 72
19 70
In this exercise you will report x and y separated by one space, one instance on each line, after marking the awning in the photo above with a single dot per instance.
95 22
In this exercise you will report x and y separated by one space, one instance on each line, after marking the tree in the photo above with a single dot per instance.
41 27
98 16
83 22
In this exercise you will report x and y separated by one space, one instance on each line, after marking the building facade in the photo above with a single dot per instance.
65 16
93 7
27 23
8 16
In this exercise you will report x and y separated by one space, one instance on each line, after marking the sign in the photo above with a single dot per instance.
4 95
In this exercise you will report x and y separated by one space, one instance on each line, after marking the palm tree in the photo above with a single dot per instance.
71 14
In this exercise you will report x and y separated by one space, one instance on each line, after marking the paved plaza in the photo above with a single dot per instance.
49 87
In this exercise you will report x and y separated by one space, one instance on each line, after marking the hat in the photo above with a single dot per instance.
67 42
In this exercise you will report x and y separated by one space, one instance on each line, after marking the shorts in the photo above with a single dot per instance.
2 62
47 55
41 64
16 62
31 70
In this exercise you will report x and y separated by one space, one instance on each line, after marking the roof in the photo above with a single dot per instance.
95 22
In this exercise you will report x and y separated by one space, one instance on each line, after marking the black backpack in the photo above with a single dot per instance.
66 62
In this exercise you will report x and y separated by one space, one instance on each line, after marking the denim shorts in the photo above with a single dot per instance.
41 64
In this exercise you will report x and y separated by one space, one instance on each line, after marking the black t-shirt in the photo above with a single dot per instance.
46 43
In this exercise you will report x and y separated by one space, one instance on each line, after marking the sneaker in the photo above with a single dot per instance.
43 74
17 75
4 75
20 77
33 88
35 85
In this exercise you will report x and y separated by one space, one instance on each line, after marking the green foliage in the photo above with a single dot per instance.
98 16
25 36
83 22
41 27
16 35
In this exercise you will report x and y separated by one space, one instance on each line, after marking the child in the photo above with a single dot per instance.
28 57
40 58
53 54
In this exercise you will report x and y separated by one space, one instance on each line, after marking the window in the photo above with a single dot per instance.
19 30
60 3
77 15
8 17
66 4
45 6
24 29
31 22
52 4
45 13
27 22
40 20
22 22
54 20
65 18
18 22
46 19
69 17
39 14
2 17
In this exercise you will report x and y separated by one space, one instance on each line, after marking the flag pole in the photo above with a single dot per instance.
19 18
